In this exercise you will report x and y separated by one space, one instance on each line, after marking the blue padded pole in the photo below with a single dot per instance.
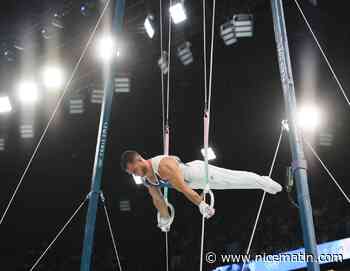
299 163
101 148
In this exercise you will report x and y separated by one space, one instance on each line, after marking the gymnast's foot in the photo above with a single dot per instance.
269 185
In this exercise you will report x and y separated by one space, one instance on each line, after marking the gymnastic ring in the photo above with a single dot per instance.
207 190
172 213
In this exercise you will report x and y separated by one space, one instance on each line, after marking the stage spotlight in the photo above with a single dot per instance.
57 21
243 25
10 50
87 8
149 26
163 62
137 179
177 12
84 10
53 77
211 154
18 45
28 92
308 118
50 31
9 54
228 33
107 49
184 53
5 105
46 33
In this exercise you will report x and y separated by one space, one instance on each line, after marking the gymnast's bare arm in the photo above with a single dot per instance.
170 170
158 201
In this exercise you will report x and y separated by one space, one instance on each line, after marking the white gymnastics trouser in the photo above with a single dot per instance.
221 178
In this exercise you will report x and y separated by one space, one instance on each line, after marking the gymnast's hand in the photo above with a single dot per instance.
206 210
164 223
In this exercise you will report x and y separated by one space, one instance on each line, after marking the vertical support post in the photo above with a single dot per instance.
100 148
299 162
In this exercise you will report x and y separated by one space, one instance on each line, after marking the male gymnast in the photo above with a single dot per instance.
168 171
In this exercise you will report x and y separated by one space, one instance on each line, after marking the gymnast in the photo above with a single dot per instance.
168 171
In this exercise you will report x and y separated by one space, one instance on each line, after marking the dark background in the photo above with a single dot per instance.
247 108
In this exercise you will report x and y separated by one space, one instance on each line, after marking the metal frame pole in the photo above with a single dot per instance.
299 163
100 148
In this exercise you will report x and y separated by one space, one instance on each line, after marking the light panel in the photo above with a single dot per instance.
124 206
184 53
5 105
122 84
211 154
178 13
27 131
2 144
137 179
97 96
243 25
228 33
76 106
149 26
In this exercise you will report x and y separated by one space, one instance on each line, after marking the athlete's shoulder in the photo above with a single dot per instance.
158 157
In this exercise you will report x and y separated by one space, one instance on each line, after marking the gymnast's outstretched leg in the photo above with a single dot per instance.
221 178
